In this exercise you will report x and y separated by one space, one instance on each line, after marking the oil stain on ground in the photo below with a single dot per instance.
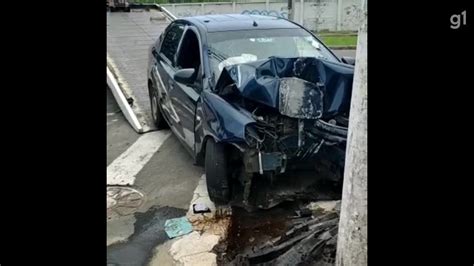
149 232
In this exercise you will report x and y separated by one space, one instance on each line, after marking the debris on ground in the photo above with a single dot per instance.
217 227
178 227
313 240
204 215
200 208
304 212
196 247
209 225
201 198
293 234
325 206
250 229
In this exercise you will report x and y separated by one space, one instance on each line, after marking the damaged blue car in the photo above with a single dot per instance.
251 98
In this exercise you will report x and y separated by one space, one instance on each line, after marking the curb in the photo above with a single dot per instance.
348 47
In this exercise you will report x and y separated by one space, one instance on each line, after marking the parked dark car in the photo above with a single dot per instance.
250 97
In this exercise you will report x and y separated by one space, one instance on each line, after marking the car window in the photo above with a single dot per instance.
190 57
171 42
228 48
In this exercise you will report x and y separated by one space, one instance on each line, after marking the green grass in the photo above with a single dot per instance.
339 40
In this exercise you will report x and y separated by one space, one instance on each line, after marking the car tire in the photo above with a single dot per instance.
217 174
156 113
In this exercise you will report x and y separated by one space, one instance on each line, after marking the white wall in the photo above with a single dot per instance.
317 15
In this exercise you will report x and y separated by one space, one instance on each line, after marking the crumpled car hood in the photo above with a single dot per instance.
303 87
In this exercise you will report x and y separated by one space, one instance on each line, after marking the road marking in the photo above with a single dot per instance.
122 171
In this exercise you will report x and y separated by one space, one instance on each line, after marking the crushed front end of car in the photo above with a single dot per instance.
297 110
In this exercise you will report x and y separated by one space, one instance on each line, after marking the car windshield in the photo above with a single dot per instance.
234 47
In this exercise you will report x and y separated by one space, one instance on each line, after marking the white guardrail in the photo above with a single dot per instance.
166 12
122 102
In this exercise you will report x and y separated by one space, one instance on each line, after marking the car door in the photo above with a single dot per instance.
186 96
163 70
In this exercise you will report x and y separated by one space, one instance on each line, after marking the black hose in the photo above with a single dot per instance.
327 136
334 129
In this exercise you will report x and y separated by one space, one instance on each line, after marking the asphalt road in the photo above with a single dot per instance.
166 178
169 171
129 36
120 135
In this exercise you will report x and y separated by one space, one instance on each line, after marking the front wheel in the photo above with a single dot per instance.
217 173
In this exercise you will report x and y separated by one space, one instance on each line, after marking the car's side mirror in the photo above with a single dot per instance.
185 76
348 60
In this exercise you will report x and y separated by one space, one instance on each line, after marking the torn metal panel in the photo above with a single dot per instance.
261 80
223 121
300 99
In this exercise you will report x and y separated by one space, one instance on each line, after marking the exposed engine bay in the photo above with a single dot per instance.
280 142
298 108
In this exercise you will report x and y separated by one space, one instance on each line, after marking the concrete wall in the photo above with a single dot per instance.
316 15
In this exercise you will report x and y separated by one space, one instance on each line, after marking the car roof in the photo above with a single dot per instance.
229 22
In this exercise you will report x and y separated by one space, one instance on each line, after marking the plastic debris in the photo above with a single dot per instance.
178 227
200 208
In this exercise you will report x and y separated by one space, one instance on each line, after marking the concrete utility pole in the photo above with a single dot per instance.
291 10
352 235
